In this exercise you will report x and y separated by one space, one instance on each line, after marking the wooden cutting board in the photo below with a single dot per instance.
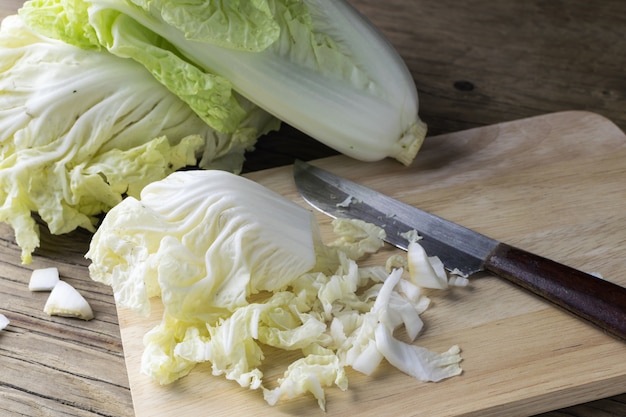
555 185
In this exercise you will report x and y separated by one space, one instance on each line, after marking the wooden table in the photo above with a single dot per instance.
475 63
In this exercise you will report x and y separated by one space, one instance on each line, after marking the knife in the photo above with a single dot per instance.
591 298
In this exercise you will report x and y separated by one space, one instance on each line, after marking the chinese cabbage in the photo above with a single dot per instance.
318 65
207 239
81 129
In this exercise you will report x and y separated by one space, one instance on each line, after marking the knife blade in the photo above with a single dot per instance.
596 300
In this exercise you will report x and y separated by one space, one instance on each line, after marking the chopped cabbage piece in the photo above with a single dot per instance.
417 361
43 279
64 300
4 322
309 374
356 237
425 271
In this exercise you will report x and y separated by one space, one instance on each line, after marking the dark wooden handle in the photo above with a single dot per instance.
601 302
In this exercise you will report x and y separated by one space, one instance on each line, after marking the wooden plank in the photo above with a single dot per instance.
55 365
534 183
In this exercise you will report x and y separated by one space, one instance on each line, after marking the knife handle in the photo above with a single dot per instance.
594 299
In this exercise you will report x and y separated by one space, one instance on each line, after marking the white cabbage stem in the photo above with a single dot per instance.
4 322
43 279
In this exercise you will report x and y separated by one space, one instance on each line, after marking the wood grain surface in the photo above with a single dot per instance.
475 63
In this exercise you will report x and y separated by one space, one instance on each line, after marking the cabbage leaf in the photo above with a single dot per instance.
81 129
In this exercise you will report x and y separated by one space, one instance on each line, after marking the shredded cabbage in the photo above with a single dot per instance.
239 268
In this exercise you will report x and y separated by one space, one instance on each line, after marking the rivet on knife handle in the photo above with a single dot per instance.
601 302
594 299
